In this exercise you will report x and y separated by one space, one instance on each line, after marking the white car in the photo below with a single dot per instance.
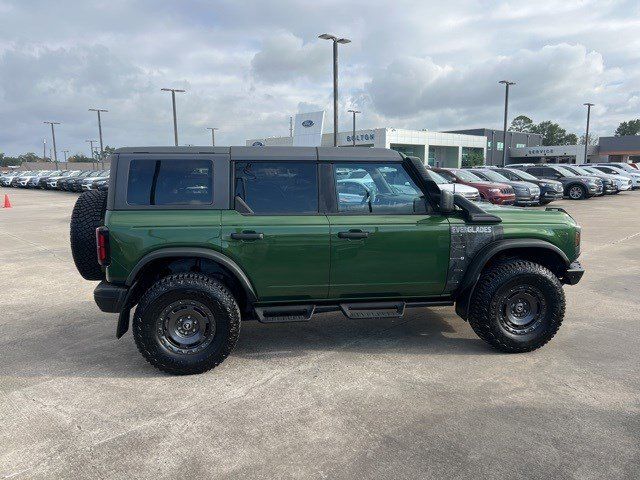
635 177
466 191
623 183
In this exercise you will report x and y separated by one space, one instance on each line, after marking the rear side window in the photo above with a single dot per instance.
271 188
170 182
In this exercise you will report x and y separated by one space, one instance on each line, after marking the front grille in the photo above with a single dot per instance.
507 191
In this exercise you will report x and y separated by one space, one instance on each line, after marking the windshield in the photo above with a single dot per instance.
467 176
522 175
493 176
439 179
564 172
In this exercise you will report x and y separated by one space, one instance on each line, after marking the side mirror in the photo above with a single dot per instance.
446 202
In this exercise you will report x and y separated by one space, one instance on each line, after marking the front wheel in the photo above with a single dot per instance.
577 192
186 323
517 306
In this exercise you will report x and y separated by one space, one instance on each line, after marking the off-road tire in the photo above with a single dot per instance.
487 315
149 327
575 187
88 214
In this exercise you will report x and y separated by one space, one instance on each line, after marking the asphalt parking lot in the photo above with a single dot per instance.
418 397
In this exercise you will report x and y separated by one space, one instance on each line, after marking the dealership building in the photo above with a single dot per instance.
436 148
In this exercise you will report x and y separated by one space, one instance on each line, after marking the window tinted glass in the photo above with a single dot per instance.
278 187
379 188
170 182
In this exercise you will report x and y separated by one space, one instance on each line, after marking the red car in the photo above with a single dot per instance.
498 193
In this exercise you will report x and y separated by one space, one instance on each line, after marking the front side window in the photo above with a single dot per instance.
379 188
272 188
170 182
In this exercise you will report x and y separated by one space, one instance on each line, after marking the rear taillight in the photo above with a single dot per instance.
102 245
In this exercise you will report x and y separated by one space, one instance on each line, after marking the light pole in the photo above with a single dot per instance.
353 136
507 84
44 149
173 102
213 135
586 136
53 135
65 155
90 142
336 41
100 131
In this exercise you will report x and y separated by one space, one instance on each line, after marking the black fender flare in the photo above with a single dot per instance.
194 252
464 292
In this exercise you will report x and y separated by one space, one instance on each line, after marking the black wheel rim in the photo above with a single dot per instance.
186 327
575 192
522 309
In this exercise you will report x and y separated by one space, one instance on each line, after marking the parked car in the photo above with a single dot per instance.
87 183
23 180
608 185
34 182
527 194
550 190
627 167
65 183
575 187
623 183
75 185
196 254
498 193
466 191
615 170
101 185
52 182
5 180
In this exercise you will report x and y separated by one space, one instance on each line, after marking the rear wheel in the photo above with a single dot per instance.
577 192
517 306
186 323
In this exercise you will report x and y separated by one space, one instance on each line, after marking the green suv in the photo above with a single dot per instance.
202 238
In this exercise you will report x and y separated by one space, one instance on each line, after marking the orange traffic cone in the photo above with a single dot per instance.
7 203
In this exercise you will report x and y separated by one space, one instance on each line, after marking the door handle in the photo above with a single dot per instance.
353 234
246 235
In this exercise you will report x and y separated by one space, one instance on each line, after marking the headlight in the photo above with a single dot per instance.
494 190
592 181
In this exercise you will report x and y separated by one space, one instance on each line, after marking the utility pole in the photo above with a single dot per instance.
336 41
173 103
90 142
213 135
586 136
507 84
98 110
44 149
53 135
353 136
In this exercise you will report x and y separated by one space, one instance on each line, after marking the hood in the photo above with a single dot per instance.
515 215
458 187
489 184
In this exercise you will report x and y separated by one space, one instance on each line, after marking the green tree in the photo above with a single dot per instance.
521 123
593 139
79 158
632 127
472 157
29 157
554 134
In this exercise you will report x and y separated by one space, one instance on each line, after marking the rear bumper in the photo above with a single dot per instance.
110 298
573 274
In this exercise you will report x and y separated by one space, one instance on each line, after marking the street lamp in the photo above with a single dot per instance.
336 41
100 131
213 135
53 135
65 155
507 84
586 136
353 136
173 102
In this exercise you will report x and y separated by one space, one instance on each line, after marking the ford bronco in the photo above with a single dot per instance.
198 239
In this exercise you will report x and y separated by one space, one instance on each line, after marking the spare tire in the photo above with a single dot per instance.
88 214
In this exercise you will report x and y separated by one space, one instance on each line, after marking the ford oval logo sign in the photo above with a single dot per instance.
307 123
257 144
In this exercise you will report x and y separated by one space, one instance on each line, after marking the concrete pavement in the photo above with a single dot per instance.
418 397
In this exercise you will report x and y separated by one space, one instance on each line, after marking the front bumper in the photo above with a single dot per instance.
573 274
595 189
528 200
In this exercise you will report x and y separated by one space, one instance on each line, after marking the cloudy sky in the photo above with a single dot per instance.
248 65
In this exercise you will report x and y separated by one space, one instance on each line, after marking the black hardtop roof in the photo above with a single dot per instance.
327 154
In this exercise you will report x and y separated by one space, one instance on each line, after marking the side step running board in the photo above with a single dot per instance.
373 310
293 313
